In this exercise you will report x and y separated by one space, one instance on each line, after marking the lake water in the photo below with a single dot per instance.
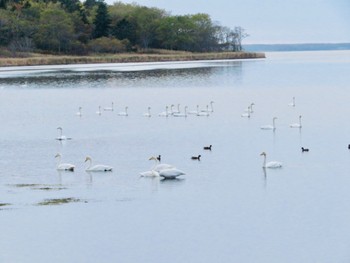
225 209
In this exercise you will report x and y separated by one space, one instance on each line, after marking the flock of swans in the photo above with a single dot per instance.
166 171
170 111
274 164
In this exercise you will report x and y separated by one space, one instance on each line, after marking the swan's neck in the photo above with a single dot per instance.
89 164
264 162
211 107
273 124
58 160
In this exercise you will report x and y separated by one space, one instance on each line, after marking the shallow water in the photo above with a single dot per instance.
225 209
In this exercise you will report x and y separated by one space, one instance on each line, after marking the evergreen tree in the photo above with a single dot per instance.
102 21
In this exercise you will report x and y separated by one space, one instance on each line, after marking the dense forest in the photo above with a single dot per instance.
92 26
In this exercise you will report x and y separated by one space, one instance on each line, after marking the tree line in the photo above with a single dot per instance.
75 27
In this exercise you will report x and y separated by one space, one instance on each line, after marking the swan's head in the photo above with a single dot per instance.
299 116
263 154
57 155
88 158
275 118
149 108
153 158
59 128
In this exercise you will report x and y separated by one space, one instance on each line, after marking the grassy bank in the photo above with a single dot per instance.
39 59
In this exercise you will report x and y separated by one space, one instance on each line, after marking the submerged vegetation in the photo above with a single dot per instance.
59 201
73 27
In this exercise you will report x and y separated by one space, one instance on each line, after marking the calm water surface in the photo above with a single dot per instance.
225 209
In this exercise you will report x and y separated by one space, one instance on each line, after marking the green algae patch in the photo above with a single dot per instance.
59 201
39 187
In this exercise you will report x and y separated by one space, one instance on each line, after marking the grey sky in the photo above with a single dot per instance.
270 21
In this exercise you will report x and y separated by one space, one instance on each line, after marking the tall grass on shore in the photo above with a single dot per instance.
38 59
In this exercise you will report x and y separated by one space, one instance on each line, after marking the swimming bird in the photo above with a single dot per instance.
196 157
292 103
349 146
207 108
61 137
164 113
207 147
97 167
99 110
172 111
159 158
167 171
124 113
109 108
64 166
148 113
179 114
204 113
270 127
194 112
250 108
171 173
272 164
296 125
79 113
304 149
160 166
246 114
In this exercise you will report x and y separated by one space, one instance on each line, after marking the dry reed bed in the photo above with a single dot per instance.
123 58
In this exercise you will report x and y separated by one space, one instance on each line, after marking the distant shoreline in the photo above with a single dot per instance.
37 59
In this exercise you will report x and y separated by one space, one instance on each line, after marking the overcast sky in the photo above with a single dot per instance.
270 21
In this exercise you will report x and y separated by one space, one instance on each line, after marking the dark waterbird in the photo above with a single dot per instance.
196 157
207 147
159 158
304 149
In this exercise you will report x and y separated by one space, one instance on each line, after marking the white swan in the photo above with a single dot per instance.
79 113
124 113
204 113
179 114
296 125
250 108
166 171
99 110
164 113
172 111
292 103
211 108
97 167
194 112
247 113
269 127
148 113
272 164
171 173
61 137
109 108
154 172
64 166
